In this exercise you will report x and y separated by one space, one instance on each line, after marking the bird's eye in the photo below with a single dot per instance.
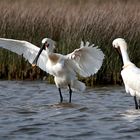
46 45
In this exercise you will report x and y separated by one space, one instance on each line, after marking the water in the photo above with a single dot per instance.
30 111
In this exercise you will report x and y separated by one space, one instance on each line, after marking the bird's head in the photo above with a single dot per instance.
119 43
48 44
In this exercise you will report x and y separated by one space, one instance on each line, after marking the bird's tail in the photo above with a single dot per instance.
77 85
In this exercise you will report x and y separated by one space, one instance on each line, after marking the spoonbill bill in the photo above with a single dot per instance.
85 61
130 73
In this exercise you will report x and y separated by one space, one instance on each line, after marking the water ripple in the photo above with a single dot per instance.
30 111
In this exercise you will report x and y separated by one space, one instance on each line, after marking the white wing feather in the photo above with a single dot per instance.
26 49
131 78
87 59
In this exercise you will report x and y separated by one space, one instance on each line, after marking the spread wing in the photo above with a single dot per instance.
86 60
26 49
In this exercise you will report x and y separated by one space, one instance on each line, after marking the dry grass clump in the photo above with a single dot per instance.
69 22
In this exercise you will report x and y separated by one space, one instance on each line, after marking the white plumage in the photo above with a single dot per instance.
85 61
130 73
28 50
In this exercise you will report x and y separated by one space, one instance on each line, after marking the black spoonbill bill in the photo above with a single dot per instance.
130 73
84 61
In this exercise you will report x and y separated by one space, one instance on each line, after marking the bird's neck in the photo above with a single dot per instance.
125 56
49 52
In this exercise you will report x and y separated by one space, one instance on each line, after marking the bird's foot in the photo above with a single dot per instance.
136 103
61 100
137 107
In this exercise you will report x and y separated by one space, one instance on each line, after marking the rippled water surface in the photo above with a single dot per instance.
30 111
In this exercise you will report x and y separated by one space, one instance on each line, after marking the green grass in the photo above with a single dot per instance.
69 22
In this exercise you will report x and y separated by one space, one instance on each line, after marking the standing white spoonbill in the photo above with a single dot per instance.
84 61
130 73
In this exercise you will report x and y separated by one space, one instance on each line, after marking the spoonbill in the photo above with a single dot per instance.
130 73
84 61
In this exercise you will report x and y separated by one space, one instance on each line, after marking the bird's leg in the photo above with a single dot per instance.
139 104
61 97
70 92
136 104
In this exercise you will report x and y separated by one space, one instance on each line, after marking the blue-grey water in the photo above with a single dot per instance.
31 111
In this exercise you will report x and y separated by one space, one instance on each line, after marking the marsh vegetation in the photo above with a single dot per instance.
69 22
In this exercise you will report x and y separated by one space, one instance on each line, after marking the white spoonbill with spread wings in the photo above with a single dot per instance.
130 73
84 61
